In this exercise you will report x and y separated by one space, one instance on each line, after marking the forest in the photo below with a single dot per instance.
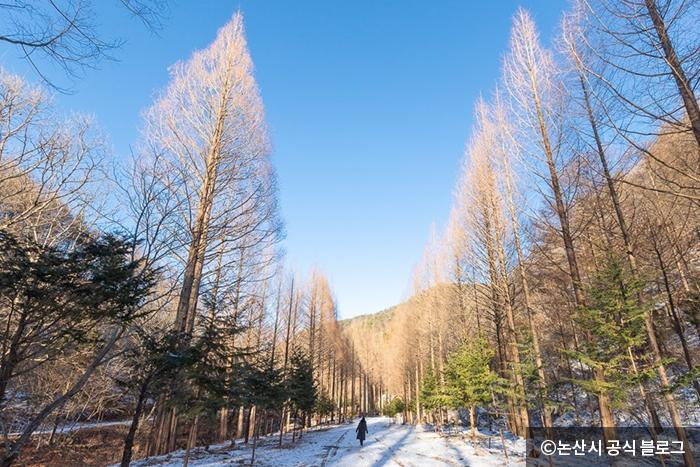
564 289
153 292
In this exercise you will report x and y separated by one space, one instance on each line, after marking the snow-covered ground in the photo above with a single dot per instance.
387 444
68 428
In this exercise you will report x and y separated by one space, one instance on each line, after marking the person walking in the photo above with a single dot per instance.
361 430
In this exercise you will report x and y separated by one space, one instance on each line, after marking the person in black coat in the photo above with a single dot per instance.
361 430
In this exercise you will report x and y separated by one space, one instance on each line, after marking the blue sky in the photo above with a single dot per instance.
370 104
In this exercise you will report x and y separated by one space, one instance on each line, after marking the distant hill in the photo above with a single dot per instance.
380 318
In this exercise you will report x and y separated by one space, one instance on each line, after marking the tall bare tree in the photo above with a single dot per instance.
530 77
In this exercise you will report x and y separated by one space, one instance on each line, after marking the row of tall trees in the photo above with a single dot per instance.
156 290
572 245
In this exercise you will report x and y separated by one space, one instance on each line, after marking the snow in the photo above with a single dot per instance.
68 428
387 444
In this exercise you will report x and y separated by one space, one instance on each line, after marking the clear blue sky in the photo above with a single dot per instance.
370 104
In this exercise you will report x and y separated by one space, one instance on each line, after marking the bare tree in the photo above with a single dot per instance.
642 66
65 33
530 79
509 153
50 166
208 131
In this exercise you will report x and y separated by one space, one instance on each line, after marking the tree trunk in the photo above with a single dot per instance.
352 383
418 407
670 402
674 315
9 362
223 425
247 425
256 427
607 418
191 440
281 427
253 410
129 440
472 422
517 376
671 58
239 422
530 311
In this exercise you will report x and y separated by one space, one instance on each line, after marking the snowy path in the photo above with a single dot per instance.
386 445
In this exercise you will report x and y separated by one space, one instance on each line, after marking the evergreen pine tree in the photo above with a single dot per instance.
470 379
431 397
616 320
301 384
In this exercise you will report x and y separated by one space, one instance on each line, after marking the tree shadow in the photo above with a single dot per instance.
458 454
390 450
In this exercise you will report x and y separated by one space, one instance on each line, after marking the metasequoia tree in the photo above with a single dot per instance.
207 130
529 75
480 213
457 256
488 151
509 157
